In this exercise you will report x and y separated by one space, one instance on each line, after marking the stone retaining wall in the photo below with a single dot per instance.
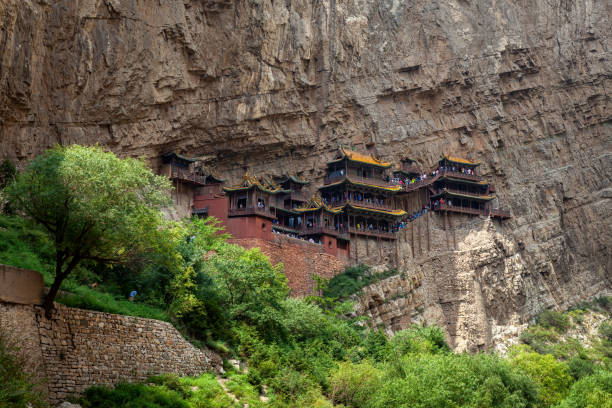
79 348
82 347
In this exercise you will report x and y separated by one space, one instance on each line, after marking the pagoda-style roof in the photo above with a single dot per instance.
249 182
392 213
359 158
458 160
390 188
169 156
290 177
316 203
484 197
208 172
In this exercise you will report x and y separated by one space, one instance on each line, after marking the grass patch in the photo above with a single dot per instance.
84 297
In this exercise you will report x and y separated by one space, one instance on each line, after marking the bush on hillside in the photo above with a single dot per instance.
17 390
594 391
553 319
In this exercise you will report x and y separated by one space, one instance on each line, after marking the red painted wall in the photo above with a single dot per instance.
252 226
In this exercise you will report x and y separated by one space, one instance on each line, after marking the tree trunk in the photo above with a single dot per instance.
59 278
48 303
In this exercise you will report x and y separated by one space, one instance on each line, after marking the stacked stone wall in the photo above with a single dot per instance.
82 347
301 259
79 348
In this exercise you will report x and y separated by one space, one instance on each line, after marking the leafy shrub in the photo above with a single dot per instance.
8 171
417 340
17 389
354 384
132 396
352 280
537 337
453 380
552 377
550 318
605 330
594 391
580 367
172 382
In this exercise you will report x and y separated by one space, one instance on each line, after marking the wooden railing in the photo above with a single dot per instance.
457 191
362 203
357 179
264 212
487 212
320 229
184 175
430 179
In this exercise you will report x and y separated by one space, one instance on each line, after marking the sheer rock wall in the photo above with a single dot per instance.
276 86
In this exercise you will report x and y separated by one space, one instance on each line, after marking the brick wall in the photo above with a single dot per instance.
300 258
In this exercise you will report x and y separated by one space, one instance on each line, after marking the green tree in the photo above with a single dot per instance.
93 205
552 376
594 391
251 289
7 173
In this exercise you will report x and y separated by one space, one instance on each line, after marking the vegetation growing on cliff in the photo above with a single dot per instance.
308 352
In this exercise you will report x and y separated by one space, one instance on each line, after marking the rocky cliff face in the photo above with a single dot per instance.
276 86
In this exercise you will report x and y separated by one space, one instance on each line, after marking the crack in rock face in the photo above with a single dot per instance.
277 86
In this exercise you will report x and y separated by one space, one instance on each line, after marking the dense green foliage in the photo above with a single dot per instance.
7 172
305 352
352 280
92 205
17 390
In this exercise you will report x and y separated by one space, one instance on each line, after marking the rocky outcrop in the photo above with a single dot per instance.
276 86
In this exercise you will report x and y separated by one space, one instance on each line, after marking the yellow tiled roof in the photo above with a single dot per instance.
316 203
459 160
362 158
250 181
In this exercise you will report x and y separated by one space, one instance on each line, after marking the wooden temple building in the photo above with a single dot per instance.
358 187
361 197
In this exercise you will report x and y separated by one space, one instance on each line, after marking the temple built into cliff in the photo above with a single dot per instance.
361 199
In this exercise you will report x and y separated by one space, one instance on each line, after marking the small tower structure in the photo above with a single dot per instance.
360 185
458 188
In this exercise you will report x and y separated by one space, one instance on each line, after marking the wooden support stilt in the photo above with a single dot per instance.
428 215
450 222
419 234
397 261
412 238
446 228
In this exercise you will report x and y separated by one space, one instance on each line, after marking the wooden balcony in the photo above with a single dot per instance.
495 213
462 192
460 175
186 176
357 179
363 203
323 230
242 212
